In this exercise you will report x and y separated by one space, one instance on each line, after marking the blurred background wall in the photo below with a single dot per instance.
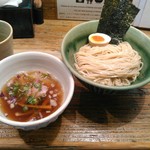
142 20
50 9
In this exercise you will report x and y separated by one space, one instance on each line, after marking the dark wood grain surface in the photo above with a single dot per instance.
91 121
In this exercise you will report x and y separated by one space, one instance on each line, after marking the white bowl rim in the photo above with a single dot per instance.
59 110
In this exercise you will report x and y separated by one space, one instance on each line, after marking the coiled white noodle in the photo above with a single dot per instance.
112 65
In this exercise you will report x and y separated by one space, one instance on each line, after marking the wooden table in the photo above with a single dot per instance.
91 121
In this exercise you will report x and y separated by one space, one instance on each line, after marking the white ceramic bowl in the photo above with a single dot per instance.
31 61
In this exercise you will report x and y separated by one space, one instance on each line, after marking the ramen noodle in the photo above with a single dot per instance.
111 65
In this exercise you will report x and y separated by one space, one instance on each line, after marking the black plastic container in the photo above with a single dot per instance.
20 18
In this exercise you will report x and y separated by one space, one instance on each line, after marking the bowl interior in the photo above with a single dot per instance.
78 36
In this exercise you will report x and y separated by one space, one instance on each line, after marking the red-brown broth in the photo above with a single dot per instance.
26 89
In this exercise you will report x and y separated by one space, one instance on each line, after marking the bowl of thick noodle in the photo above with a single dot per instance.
107 68
33 92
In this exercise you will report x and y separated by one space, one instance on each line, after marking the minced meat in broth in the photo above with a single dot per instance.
30 96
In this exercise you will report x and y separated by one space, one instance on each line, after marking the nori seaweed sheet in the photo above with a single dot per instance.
116 18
